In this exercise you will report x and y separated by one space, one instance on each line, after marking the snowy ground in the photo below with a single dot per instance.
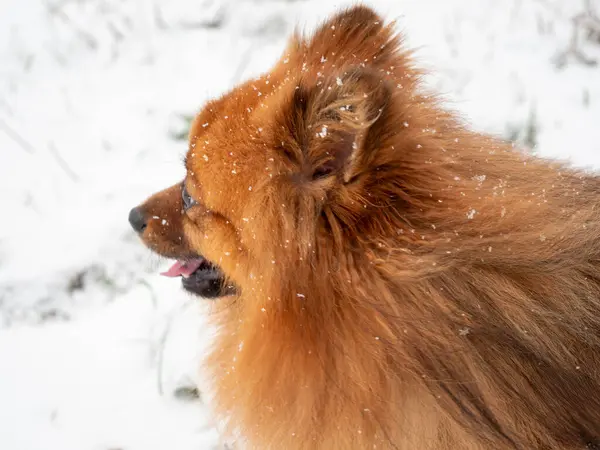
97 352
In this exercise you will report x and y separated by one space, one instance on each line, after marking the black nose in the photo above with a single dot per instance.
137 219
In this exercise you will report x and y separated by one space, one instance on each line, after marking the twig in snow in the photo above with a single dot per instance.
17 138
62 163
153 298
592 22
587 22
162 343
214 21
580 22
159 20
57 11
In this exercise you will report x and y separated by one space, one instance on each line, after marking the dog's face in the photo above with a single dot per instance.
280 163
159 221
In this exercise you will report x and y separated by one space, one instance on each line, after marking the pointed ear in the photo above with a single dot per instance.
352 36
333 120
356 34
358 21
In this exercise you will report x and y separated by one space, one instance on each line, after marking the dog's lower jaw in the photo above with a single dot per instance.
208 283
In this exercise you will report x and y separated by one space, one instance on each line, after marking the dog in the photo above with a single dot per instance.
382 276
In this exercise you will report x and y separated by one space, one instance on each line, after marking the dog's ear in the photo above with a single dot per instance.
355 35
332 119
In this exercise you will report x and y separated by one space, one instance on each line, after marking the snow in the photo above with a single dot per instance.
93 383
95 348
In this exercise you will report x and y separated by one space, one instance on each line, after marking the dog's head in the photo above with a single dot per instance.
284 161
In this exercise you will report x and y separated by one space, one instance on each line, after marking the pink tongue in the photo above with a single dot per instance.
183 268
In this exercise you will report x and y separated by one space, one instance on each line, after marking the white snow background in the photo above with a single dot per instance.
97 352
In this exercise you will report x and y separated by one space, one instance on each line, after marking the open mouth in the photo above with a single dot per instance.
199 276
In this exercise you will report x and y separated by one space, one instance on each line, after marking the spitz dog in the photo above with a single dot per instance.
382 276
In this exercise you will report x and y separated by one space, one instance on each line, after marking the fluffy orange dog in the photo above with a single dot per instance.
384 277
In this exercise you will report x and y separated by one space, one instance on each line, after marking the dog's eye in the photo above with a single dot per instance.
187 199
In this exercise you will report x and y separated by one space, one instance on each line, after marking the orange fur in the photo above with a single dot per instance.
405 283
